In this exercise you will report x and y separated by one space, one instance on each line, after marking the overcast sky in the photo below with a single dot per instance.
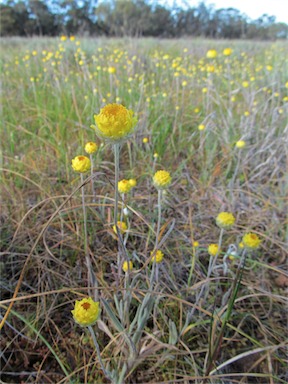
252 8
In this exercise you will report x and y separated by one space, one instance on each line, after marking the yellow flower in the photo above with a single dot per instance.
145 140
225 220
158 257
132 182
227 52
245 84
127 266
124 186
81 164
86 312
211 54
114 122
201 127
240 144
122 227
91 147
162 179
195 244
63 38
111 70
213 249
251 240
210 68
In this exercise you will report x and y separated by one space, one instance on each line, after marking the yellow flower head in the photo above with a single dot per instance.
145 140
132 182
245 84
124 186
81 164
227 52
114 122
91 147
86 312
251 240
127 266
121 225
201 127
240 144
162 179
158 257
195 244
111 70
225 220
213 249
211 54
210 68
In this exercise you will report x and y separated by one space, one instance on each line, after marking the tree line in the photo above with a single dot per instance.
134 18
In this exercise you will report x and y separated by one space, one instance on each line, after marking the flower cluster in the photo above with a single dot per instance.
127 266
91 147
122 227
158 256
213 249
162 179
124 186
240 144
225 220
251 241
211 54
86 312
81 164
114 122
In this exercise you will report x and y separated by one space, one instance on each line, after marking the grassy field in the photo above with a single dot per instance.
218 126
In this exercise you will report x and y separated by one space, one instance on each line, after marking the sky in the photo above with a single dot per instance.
252 8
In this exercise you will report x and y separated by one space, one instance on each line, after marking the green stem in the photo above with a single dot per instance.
92 281
92 181
159 219
116 159
157 239
106 373
116 200
88 262
212 263
213 259
193 258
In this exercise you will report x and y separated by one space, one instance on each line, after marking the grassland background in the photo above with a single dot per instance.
50 91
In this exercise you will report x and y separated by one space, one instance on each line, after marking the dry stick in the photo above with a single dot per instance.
33 249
